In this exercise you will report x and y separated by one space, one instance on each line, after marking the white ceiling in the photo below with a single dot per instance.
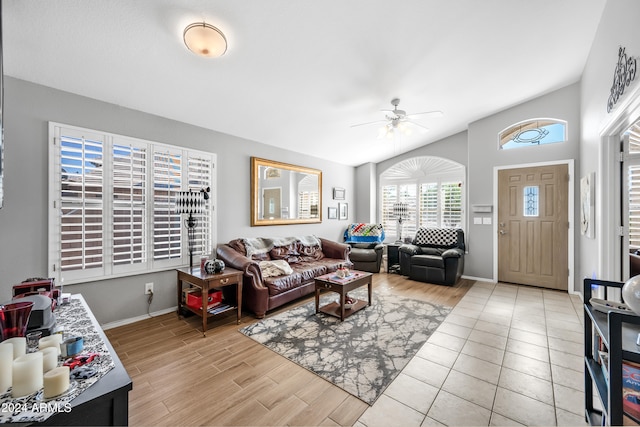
298 73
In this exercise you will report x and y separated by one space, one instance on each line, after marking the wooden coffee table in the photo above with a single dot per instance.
331 282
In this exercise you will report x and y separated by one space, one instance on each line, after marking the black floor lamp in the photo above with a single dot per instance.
191 202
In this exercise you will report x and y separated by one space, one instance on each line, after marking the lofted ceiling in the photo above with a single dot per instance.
299 73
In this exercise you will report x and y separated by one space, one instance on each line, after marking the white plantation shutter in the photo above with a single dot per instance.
113 204
81 201
129 203
634 207
429 204
408 194
389 197
451 203
199 173
167 223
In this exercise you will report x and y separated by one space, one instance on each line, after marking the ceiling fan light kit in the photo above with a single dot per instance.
205 40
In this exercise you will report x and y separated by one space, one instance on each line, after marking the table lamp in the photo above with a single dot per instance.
191 202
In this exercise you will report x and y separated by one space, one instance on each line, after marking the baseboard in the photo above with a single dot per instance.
123 322
479 279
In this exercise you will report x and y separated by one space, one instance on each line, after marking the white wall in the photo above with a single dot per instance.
23 218
618 27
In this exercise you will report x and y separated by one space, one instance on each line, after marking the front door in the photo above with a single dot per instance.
271 203
533 226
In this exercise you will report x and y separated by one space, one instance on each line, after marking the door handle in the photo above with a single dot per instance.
502 232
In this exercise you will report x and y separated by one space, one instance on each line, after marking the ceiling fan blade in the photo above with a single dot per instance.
417 124
436 113
369 123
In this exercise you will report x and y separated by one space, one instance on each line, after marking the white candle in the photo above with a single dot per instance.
56 381
50 341
19 346
27 374
6 365
49 358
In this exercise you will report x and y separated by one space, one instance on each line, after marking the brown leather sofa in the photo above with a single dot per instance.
307 256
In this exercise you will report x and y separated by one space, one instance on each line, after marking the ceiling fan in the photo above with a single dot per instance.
397 119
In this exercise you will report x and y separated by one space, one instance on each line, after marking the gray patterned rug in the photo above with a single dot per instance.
361 355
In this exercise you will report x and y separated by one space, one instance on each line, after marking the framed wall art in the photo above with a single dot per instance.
338 193
332 212
343 209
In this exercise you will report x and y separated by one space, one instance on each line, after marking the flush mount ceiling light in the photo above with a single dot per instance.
205 40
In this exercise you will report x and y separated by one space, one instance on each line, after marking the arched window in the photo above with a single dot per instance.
431 191
533 132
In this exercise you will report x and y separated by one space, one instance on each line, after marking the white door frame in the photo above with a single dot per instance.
626 113
570 215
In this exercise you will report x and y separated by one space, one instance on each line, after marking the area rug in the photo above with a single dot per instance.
361 355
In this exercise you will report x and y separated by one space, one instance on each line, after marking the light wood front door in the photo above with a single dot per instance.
533 226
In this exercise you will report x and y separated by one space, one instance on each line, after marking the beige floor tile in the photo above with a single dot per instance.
389 412
469 388
525 325
527 385
530 337
568 377
455 330
499 420
495 318
451 410
471 305
566 346
412 392
461 311
566 418
569 326
461 320
482 300
569 399
529 350
565 335
554 316
446 341
492 328
426 371
566 360
484 352
440 355
523 409
498 311
527 365
488 338
430 422
478 368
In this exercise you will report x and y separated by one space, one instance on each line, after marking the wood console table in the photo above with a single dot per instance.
195 276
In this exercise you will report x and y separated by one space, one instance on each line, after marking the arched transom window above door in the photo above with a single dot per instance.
533 132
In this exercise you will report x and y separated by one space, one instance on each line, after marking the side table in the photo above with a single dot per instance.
393 257
195 276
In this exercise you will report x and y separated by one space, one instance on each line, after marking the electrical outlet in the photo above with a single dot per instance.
148 288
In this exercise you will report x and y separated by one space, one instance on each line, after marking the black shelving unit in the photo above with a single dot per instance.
618 332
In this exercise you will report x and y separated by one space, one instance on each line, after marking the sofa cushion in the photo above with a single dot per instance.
364 255
288 253
433 261
431 251
280 284
310 252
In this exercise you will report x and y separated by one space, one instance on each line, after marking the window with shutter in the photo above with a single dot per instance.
451 203
389 197
113 204
429 204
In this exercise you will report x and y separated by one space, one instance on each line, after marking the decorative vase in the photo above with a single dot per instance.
14 318
631 293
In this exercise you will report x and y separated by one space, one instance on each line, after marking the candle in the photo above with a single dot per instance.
19 345
6 364
56 381
27 374
50 341
49 358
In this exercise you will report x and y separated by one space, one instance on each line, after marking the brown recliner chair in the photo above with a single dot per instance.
366 246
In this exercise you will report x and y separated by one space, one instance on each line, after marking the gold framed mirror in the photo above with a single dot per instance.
284 194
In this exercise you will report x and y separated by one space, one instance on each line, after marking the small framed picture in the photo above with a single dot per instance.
344 210
338 193
332 212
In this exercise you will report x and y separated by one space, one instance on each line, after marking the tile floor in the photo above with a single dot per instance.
507 355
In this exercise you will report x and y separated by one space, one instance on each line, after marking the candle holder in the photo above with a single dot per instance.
14 318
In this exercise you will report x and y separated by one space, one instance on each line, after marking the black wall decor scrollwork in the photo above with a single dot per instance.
623 75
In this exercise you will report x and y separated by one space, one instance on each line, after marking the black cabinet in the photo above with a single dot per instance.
393 257
615 335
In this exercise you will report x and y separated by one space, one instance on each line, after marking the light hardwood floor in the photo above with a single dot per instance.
182 378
